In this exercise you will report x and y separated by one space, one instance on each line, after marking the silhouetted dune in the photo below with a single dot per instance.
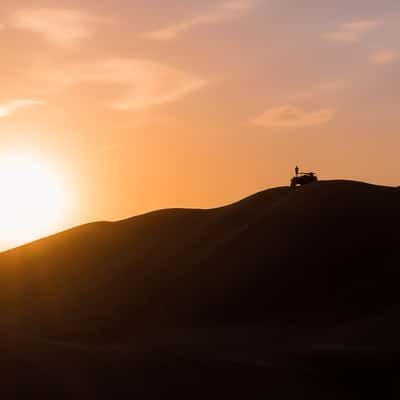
304 270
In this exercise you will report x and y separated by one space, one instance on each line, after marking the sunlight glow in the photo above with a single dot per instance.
33 200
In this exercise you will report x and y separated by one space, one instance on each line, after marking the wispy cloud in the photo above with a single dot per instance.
11 107
142 83
385 57
147 83
293 117
222 12
353 31
58 25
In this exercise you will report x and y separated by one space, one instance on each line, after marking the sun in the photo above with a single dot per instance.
33 199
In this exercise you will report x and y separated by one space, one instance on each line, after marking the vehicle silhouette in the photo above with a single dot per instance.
303 179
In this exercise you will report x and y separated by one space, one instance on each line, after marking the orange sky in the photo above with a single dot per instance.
140 105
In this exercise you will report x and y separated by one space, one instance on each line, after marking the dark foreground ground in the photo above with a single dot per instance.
284 295
203 369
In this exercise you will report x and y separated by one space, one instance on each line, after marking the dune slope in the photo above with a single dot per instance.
324 252
287 294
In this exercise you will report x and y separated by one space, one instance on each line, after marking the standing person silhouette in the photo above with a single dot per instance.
297 170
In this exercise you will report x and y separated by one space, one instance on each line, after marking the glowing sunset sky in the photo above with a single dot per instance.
140 105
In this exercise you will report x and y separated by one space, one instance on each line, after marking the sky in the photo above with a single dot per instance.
140 105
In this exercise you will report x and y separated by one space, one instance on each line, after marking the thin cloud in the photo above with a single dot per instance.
143 83
58 25
353 31
384 57
147 83
293 117
11 107
224 11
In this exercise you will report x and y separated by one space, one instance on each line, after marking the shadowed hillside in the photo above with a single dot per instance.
294 270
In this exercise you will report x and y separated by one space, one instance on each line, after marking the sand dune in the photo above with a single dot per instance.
278 292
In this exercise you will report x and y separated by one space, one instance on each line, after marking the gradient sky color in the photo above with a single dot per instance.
141 105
